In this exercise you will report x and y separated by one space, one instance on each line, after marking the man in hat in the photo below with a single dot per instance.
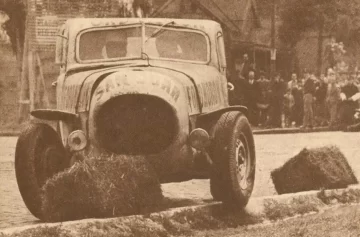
278 89
309 91
263 104
252 95
320 95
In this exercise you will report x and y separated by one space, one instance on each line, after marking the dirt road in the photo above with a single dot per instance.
272 151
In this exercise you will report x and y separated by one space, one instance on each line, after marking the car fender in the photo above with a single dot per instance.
208 120
54 115
240 108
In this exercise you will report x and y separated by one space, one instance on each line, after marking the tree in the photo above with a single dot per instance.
15 25
337 18
298 16
348 29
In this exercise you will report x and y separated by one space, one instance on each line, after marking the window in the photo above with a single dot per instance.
221 50
126 43
178 44
110 44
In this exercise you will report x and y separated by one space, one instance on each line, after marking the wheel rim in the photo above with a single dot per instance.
242 162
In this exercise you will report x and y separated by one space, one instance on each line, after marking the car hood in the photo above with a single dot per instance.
196 82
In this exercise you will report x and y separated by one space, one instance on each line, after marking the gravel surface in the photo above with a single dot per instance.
272 151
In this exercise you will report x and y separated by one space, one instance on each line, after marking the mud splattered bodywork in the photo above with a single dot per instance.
153 89
140 86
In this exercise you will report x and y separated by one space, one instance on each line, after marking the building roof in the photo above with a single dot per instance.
78 24
237 10
214 9
231 13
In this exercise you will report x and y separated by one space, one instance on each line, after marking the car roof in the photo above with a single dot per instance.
78 24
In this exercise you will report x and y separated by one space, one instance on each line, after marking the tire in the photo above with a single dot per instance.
39 155
216 183
234 158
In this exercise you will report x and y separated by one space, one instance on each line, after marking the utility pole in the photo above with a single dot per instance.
320 46
24 100
273 42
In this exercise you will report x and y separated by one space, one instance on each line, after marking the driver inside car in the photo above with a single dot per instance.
115 45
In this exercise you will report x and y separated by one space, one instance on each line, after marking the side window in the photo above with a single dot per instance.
61 47
65 47
221 51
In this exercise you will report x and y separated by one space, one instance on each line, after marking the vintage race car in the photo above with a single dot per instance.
149 87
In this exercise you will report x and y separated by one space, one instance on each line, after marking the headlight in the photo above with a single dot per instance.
199 139
77 140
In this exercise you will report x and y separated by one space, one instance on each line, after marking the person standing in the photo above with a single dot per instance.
276 101
243 68
332 98
309 90
263 104
238 81
347 105
296 90
355 127
320 96
293 83
252 94
288 107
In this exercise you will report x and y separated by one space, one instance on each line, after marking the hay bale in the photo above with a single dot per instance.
313 169
104 187
63 196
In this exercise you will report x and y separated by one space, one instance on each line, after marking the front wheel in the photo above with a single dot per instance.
39 155
234 160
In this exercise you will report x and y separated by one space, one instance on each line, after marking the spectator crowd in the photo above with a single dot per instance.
327 100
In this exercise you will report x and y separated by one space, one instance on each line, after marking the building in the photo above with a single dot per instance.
245 31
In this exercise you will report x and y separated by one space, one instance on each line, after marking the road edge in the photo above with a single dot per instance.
258 210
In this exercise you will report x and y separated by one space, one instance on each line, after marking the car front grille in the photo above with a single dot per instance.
136 125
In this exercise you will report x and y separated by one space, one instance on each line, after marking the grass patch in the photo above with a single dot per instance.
176 228
218 222
141 228
133 228
275 210
44 231
342 221
348 196
215 218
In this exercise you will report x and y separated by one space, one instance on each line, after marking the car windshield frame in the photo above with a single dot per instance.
143 50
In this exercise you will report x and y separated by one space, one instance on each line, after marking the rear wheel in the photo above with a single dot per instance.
39 155
234 159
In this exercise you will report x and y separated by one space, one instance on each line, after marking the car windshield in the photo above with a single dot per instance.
126 43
